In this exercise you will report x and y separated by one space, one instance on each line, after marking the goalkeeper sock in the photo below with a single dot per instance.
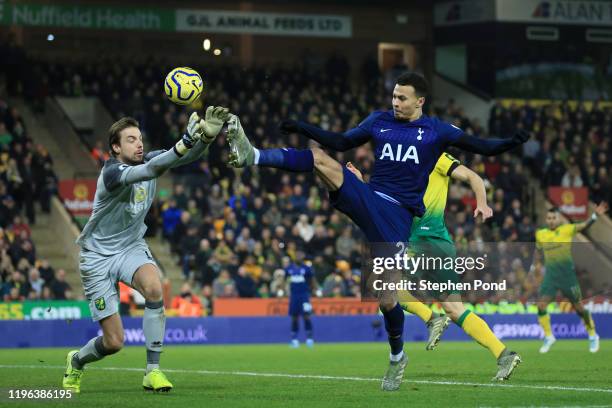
299 161
544 320
479 330
587 319
394 324
154 328
418 308
94 350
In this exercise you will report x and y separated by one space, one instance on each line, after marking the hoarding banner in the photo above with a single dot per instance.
573 202
78 195
256 330
44 310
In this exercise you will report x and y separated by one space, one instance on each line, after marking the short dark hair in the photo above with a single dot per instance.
116 128
554 210
418 82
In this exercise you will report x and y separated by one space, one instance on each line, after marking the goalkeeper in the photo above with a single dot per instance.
112 244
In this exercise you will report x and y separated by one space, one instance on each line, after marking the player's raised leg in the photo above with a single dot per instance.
243 154
147 281
544 320
96 349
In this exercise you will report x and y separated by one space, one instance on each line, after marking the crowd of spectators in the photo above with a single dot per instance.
570 146
233 231
26 178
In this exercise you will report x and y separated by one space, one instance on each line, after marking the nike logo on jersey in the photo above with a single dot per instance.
399 155
384 130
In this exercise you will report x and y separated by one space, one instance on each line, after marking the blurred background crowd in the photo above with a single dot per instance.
233 231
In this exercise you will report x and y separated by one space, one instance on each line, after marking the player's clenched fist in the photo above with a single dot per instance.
288 126
521 136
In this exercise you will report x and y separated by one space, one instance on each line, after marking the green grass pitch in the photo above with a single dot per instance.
456 374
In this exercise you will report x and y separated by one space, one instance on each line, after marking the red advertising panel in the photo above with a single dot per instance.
280 307
78 195
571 201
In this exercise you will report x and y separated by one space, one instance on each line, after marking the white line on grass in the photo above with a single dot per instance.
327 377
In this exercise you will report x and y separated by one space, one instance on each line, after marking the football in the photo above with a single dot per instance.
183 85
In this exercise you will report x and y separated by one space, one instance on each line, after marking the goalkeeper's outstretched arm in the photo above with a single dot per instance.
200 133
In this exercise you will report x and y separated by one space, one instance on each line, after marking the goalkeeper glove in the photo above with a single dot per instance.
213 122
191 137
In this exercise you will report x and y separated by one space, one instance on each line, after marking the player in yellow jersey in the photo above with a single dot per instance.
430 237
555 243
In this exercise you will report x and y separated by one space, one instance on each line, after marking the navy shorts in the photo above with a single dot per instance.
299 305
379 219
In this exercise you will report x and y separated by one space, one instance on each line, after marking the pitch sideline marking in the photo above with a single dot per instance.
325 377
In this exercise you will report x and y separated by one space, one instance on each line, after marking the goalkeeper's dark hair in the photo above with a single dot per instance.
418 82
115 130
554 210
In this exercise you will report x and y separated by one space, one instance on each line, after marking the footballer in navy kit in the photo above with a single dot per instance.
300 280
406 144
112 242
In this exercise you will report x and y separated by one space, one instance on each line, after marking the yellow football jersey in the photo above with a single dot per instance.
556 245
432 222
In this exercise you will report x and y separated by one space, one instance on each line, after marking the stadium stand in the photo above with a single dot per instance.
27 179
230 231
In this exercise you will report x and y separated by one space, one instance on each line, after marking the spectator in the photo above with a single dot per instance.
36 282
207 300
187 304
188 248
19 226
99 154
60 289
345 243
171 216
572 177
251 268
334 285
47 273
245 285
216 202
224 286
206 272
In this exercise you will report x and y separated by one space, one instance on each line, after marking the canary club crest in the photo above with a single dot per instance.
100 303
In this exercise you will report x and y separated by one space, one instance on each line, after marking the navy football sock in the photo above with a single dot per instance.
288 159
394 324
294 328
308 327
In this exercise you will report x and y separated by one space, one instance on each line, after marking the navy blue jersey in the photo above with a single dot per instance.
299 277
405 154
